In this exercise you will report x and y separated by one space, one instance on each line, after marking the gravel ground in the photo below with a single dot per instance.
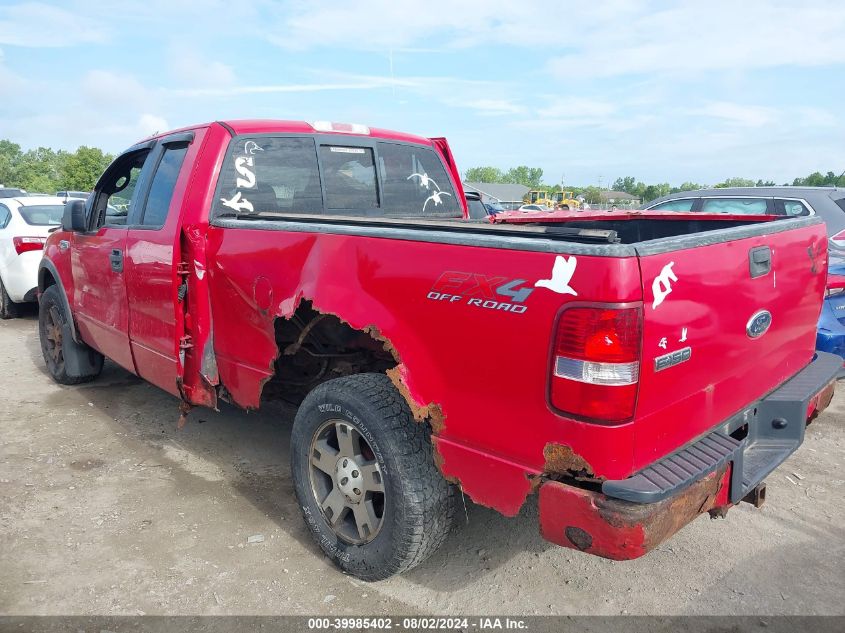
106 508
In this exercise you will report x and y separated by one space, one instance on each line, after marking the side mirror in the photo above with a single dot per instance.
74 216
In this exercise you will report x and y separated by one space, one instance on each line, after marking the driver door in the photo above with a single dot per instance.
97 258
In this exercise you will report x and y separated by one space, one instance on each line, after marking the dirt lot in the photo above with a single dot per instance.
106 508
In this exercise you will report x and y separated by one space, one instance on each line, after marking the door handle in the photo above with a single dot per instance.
759 261
116 259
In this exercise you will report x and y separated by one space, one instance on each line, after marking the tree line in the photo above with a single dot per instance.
532 177
45 170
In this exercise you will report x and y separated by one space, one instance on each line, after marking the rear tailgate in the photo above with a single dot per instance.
724 324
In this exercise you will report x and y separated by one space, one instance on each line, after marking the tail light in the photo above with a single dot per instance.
25 244
596 368
835 285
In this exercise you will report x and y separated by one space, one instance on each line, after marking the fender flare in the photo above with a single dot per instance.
47 266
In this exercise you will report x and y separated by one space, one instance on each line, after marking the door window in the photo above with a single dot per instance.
5 216
674 205
164 182
793 208
116 193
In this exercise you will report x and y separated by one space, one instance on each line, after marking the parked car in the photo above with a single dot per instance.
494 207
831 332
628 371
25 223
826 202
72 194
532 207
11 192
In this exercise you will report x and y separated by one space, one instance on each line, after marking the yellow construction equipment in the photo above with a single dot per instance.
552 199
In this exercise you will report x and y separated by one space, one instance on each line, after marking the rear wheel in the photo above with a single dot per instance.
8 308
58 348
365 477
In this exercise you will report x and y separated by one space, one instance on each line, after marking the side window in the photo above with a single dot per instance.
164 181
349 176
674 205
740 206
270 175
792 208
115 194
415 183
5 216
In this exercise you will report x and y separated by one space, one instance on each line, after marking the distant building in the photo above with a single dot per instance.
621 198
496 192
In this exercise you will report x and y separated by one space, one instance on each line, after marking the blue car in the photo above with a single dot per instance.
831 333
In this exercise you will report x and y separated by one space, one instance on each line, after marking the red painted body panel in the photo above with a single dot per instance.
453 353
151 285
99 297
680 403
590 522
486 367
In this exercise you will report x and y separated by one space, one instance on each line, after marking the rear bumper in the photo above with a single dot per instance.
629 517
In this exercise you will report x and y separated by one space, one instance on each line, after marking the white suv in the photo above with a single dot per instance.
25 224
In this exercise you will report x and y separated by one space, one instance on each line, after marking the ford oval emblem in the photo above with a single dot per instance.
758 324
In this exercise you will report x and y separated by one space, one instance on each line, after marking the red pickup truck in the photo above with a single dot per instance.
633 370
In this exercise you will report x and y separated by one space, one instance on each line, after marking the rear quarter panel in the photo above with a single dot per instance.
486 369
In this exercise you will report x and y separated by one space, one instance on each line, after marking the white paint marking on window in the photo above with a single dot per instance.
242 166
238 203
348 150
250 147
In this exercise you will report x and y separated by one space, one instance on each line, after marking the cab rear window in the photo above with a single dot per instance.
42 214
349 176
266 175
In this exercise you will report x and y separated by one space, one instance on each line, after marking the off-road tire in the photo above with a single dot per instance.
8 308
52 316
418 503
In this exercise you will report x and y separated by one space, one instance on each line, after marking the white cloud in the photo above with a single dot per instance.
105 90
34 24
149 124
735 113
712 36
189 68
493 107
577 107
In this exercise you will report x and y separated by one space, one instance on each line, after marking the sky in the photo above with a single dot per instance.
663 91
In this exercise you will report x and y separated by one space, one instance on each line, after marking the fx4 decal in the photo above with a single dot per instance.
481 291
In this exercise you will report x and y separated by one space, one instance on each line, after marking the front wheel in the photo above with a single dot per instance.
69 362
365 477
